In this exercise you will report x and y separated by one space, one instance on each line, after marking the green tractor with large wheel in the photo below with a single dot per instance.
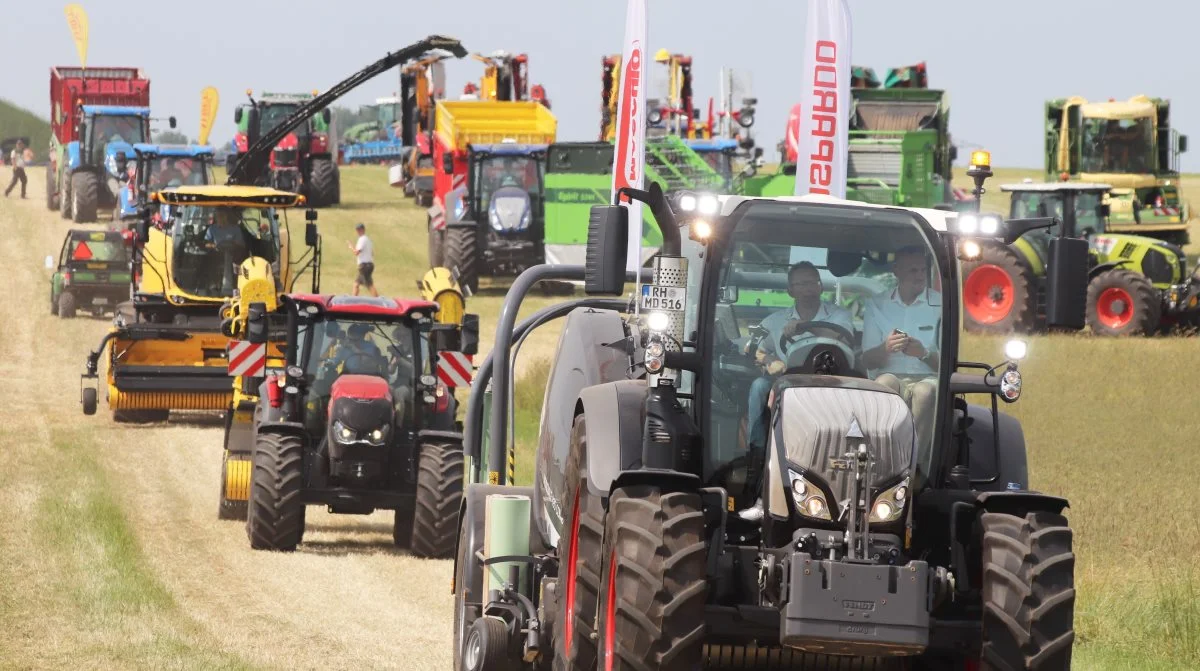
1135 284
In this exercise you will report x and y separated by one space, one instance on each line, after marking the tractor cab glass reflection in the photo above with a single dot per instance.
209 243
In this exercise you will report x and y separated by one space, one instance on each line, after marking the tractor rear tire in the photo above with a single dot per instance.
578 588
275 520
64 198
461 255
655 583
439 495
437 245
85 197
998 292
1123 302
322 183
1028 592
51 204
66 305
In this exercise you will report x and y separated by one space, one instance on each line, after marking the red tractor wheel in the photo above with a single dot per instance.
997 296
1123 302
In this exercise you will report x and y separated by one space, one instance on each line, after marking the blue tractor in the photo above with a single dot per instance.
158 167
88 178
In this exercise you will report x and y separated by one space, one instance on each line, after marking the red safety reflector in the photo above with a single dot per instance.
82 252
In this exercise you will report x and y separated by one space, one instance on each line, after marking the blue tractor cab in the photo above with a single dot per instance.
158 167
719 153
89 178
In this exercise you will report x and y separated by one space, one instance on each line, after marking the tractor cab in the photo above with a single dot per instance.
158 167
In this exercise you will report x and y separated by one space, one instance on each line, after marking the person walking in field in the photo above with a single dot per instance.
364 250
17 161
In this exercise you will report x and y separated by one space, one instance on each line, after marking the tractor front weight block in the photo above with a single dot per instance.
845 608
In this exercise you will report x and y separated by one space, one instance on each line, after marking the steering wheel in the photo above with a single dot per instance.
786 341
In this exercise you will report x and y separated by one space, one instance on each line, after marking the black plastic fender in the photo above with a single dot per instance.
1105 267
1021 504
615 418
992 469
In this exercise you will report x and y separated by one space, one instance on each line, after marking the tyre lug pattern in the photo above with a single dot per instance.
439 494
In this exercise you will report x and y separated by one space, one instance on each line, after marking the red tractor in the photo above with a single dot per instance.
359 420
303 161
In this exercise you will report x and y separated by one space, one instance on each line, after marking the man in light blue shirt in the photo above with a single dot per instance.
901 338
804 286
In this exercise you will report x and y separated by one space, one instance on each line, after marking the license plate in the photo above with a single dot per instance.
99 301
663 298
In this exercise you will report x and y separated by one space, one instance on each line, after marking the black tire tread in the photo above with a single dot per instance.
66 305
85 190
657 538
1146 319
1028 592
437 245
580 652
276 516
439 496
1024 310
461 255
322 183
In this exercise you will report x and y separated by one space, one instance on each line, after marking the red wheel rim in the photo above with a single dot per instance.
988 294
569 594
610 613
1114 307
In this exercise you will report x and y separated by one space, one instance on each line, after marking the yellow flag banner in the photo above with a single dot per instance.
209 100
77 21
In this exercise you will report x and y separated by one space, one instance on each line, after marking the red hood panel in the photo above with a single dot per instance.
366 387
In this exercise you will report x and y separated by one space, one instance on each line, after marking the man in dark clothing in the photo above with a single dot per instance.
17 161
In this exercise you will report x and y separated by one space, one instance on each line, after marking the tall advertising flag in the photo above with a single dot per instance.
77 21
209 100
823 141
630 156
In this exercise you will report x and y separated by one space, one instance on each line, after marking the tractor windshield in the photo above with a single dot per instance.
274 114
1118 145
496 172
210 243
169 171
1089 215
795 280
358 345
111 128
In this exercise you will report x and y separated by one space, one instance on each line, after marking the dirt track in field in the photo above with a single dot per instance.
111 555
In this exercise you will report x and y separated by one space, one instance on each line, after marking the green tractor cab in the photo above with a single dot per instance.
1136 284
92 273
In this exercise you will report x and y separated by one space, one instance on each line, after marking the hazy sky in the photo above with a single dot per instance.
999 65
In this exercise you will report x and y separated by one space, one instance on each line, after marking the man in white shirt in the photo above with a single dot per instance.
17 161
364 250
901 333
805 287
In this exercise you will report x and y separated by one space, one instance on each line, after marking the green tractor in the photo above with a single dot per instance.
1135 284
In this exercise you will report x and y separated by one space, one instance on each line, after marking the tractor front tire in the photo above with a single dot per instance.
655 583
64 198
998 292
581 553
88 399
1123 302
1028 592
439 495
275 520
322 183
51 204
66 305
461 255
85 197
437 245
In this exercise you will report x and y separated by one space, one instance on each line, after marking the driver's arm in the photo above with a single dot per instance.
874 340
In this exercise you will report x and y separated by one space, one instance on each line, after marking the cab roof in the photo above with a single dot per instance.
940 220
366 306
115 110
509 149
1050 187
188 150
231 196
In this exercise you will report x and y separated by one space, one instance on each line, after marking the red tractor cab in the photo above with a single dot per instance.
359 421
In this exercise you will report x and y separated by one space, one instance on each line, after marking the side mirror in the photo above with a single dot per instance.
445 338
470 334
326 115
448 163
256 323
171 121
252 128
1105 210
1182 144
143 230
237 115
310 234
608 235
953 153
729 294
1066 283
758 152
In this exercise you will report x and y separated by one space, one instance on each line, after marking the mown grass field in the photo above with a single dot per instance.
114 558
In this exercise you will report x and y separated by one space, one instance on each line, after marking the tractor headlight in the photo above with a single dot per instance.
968 224
889 505
809 499
342 433
378 436
1010 385
989 225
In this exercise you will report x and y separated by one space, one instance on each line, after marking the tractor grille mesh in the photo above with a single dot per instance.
744 657
875 162
894 115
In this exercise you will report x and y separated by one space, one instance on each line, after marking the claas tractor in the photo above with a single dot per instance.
357 421
166 350
871 517
1135 284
